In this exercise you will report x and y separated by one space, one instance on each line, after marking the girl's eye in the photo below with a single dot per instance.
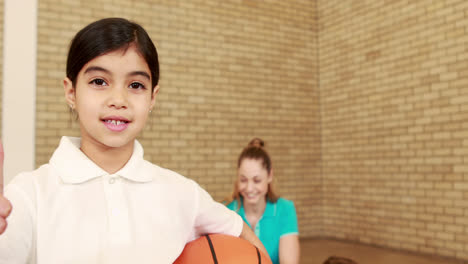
101 82
137 85
98 82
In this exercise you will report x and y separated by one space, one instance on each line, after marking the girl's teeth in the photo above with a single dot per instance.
115 122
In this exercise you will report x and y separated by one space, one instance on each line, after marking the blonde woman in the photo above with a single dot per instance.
272 218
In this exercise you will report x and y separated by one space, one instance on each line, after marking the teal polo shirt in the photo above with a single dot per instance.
278 219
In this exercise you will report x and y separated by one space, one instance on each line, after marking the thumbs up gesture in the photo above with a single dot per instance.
5 205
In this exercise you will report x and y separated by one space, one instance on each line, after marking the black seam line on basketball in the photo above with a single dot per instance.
213 254
258 256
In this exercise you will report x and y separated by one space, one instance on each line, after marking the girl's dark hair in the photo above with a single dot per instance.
256 150
107 35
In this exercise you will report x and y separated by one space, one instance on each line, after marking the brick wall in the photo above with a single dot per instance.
390 125
230 71
393 90
393 97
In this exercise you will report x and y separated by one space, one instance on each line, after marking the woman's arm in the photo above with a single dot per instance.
289 249
250 236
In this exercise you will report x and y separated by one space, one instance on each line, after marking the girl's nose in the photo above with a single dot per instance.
118 97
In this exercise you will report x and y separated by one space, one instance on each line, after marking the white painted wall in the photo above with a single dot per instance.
19 86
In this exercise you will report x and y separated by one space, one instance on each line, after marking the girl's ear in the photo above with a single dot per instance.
153 96
69 92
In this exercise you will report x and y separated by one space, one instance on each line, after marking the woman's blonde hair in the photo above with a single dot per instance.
255 150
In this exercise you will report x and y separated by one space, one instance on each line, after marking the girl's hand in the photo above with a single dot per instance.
5 205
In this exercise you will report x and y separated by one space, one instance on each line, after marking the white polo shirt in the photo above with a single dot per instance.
72 211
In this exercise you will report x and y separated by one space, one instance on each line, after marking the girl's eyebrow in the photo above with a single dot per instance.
141 73
96 68
134 73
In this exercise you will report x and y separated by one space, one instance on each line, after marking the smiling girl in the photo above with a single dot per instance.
98 200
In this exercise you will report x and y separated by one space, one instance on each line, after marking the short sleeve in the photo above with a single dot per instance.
288 219
232 205
214 217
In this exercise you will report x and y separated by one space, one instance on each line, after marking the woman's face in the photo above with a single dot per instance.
253 180
112 97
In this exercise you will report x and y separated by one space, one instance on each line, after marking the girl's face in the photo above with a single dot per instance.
112 97
253 180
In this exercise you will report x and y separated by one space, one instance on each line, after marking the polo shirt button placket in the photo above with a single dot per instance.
257 229
118 221
112 180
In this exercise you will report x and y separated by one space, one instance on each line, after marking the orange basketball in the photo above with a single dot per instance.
221 249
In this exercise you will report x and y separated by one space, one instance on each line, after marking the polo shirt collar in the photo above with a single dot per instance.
74 167
270 209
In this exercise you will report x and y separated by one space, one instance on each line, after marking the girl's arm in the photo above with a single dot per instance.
289 249
250 236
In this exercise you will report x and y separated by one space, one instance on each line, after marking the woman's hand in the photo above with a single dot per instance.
5 205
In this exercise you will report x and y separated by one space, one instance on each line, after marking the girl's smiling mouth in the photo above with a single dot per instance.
116 124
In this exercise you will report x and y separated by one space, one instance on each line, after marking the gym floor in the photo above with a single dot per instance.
316 251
